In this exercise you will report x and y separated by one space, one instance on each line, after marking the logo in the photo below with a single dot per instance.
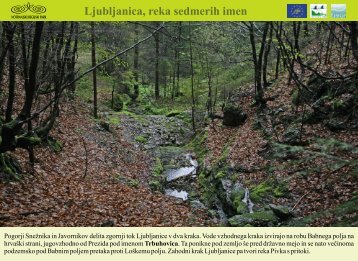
296 11
36 9
338 10
318 11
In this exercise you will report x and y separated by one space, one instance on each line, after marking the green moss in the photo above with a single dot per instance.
263 190
55 145
173 113
115 120
9 167
257 219
240 207
198 146
269 188
141 139
155 185
158 168
220 174
207 188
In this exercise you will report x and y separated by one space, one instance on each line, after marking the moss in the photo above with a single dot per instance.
269 188
158 168
263 190
173 113
345 214
55 145
220 174
9 167
240 207
198 146
141 139
155 185
115 120
224 155
258 219
207 188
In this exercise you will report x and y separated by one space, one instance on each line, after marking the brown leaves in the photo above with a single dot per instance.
57 195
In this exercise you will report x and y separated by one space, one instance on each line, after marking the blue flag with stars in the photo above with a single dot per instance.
296 11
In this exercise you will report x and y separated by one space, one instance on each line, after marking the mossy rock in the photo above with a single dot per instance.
261 191
282 212
240 207
269 189
345 215
257 219
233 116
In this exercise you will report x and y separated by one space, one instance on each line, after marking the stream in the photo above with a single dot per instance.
163 138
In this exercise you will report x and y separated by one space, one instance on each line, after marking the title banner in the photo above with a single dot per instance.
183 10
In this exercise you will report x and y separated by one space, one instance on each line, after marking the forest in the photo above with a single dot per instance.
178 124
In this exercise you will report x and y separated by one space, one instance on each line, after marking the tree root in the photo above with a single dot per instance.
9 167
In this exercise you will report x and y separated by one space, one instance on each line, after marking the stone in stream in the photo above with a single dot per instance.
178 194
173 174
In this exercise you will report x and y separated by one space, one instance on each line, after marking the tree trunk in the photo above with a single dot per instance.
192 81
94 73
266 54
10 30
354 42
135 65
157 41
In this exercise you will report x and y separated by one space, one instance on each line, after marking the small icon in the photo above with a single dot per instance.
296 11
338 10
318 11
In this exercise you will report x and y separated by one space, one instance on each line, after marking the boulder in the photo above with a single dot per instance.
233 116
257 219
292 135
281 212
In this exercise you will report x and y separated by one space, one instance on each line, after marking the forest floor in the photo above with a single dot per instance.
101 176
97 179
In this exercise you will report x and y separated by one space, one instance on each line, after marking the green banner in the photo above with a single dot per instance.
185 10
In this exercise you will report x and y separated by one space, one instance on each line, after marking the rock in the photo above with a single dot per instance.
292 135
196 204
240 207
281 212
257 219
233 116
237 194
108 223
103 125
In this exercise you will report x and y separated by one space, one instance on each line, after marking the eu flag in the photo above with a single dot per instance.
296 11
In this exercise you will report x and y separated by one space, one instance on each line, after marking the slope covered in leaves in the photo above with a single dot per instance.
318 174
96 179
